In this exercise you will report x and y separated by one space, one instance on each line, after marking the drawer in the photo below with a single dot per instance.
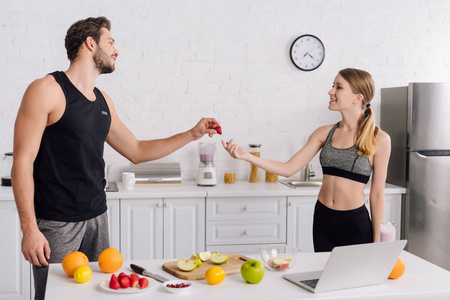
237 208
241 249
246 232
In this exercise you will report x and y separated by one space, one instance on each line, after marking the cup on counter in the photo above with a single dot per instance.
128 180
229 176
387 231
270 177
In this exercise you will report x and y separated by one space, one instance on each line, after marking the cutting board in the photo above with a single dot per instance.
232 266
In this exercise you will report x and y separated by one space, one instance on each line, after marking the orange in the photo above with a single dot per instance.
73 260
82 274
398 270
214 275
110 260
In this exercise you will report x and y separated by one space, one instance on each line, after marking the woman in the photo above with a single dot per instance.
351 150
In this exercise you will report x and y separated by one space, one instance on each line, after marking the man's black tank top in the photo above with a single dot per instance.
69 168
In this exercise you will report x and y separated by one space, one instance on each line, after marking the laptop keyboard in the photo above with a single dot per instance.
311 283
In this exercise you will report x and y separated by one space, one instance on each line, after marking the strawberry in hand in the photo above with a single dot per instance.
218 129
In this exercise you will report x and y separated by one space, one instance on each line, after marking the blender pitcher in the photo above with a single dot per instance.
206 170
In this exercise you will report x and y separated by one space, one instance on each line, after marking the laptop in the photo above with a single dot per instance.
352 266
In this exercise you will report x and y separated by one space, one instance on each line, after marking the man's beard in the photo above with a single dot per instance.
103 62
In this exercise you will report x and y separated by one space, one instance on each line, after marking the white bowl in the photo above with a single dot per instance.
178 290
285 256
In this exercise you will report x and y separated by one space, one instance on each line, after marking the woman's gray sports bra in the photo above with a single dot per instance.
344 162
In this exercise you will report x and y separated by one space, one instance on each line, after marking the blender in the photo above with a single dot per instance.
206 174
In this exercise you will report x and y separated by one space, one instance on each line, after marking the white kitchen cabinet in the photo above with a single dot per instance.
301 211
300 220
114 223
243 224
162 228
15 277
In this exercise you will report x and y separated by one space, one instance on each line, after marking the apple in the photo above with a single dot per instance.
281 264
197 259
204 256
187 264
252 271
218 258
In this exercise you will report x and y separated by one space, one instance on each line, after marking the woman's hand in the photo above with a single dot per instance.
234 149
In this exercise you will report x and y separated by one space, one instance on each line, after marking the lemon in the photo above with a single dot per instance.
214 275
82 274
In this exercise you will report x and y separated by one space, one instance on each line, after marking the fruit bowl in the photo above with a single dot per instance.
177 286
279 257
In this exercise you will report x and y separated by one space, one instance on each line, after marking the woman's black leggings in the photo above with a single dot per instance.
333 228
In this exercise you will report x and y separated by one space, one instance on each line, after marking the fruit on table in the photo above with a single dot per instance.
214 275
82 274
179 285
252 271
110 260
134 279
124 282
204 256
187 265
114 282
143 283
218 258
281 263
198 260
73 261
398 270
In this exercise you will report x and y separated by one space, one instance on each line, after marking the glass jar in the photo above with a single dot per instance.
6 168
255 149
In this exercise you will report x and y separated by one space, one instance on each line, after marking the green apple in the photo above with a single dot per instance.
187 265
218 258
204 256
198 260
252 271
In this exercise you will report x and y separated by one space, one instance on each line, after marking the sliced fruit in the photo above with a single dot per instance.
114 282
204 256
143 283
278 261
187 265
218 258
134 280
198 260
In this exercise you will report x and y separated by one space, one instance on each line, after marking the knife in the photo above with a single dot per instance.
142 271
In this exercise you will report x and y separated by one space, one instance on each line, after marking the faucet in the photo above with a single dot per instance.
309 173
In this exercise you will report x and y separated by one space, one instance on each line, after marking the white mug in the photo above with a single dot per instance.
128 180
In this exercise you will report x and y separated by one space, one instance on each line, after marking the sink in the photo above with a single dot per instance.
299 184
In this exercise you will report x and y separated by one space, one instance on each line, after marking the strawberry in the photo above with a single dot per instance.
114 282
122 274
218 129
134 280
124 282
143 283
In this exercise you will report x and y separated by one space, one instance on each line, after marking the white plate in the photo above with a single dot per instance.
105 285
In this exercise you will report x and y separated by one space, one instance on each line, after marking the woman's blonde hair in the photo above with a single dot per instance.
361 82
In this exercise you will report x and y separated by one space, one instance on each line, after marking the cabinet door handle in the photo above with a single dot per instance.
246 232
166 204
291 203
158 204
246 208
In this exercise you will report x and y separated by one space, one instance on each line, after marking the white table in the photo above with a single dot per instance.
422 280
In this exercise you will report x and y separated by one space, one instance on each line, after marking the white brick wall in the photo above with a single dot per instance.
181 60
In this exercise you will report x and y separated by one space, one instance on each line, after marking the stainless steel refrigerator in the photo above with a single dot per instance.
417 117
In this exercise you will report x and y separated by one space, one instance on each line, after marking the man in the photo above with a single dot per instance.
58 168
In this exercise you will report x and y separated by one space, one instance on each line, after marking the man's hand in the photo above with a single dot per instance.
204 126
35 248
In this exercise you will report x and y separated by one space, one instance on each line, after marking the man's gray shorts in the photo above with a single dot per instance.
90 237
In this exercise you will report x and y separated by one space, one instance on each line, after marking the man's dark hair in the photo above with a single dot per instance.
79 31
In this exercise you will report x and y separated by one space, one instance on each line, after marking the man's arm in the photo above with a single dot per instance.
123 140
32 118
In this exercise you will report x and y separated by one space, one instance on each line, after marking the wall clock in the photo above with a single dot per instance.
307 52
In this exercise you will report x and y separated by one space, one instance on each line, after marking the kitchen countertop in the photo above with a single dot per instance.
191 189
422 280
